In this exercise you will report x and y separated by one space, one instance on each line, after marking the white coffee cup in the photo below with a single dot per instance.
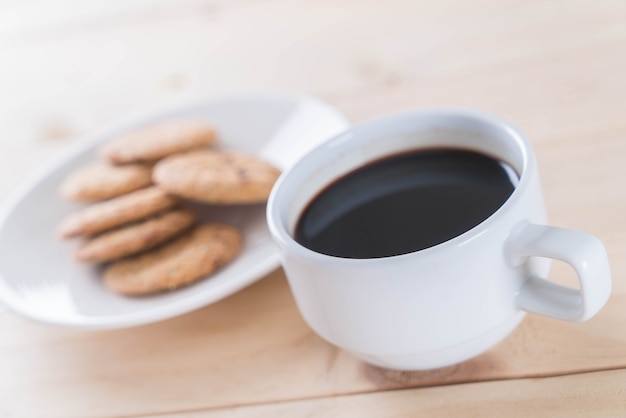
450 302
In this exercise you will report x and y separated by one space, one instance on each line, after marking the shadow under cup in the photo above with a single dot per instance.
425 309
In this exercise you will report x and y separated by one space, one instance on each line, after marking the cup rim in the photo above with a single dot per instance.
277 197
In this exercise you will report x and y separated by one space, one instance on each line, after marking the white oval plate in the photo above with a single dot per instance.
39 278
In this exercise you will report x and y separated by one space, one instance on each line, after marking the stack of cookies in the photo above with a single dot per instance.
135 221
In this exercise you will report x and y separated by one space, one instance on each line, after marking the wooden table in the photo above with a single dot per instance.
556 69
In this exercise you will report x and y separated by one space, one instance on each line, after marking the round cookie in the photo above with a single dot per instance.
99 181
190 257
136 237
153 142
218 177
115 212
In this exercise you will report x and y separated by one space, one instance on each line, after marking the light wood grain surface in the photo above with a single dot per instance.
555 69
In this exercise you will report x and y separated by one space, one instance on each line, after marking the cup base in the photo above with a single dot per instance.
446 357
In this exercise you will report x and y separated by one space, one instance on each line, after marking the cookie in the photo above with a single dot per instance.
115 212
190 257
218 177
99 181
153 142
136 237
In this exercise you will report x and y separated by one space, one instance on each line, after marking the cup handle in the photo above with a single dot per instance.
584 252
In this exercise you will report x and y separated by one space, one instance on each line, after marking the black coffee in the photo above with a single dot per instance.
405 203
